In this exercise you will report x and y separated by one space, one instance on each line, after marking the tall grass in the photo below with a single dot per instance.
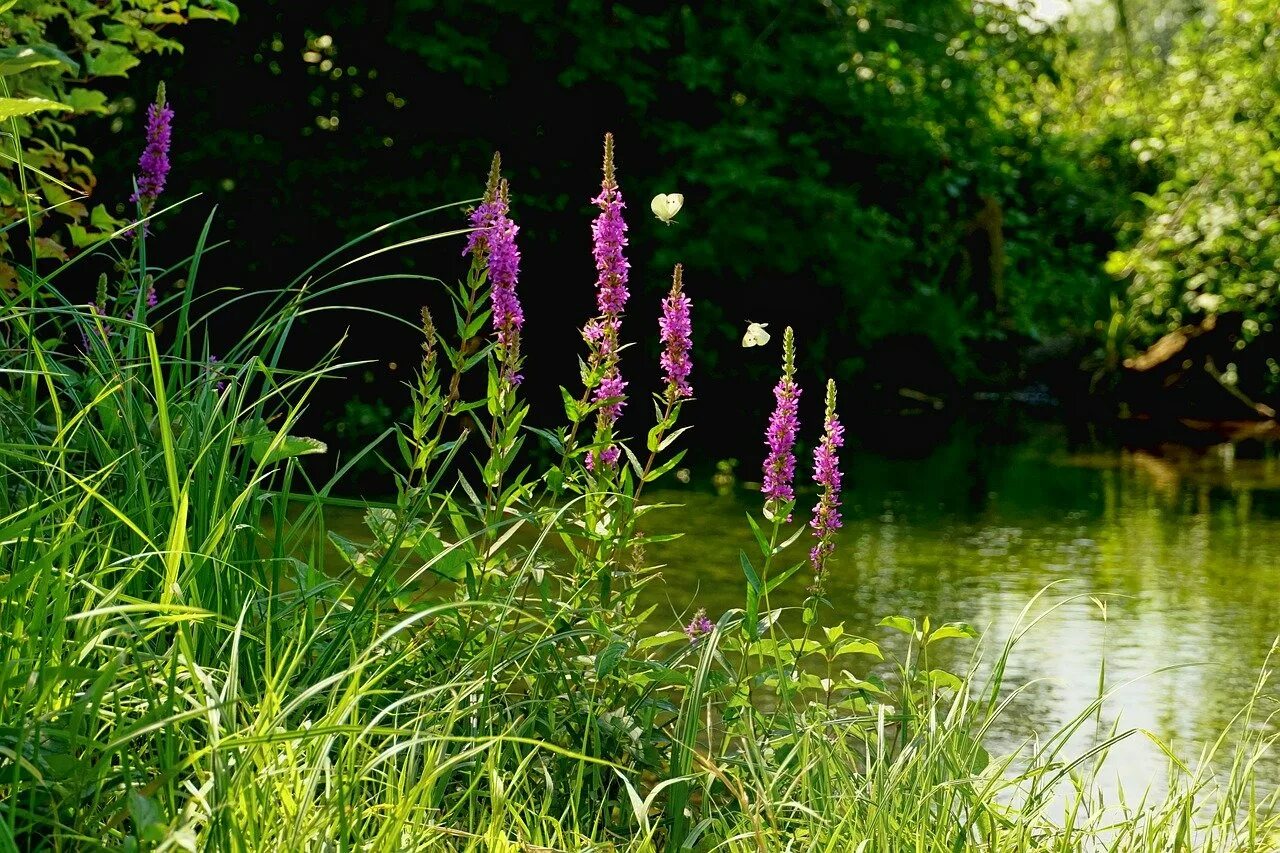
190 660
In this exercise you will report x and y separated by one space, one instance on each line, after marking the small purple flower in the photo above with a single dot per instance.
494 242
780 437
826 473
220 384
675 330
152 299
700 626
153 165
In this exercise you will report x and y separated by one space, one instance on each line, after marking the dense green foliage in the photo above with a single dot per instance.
58 61
891 162
944 173
1207 116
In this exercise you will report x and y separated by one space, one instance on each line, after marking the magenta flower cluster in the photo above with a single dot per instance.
495 241
153 165
675 329
780 436
700 626
826 474
608 242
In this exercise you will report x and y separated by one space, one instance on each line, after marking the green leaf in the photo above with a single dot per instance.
859 647
10 107
952 630
898 623
758 534
572 410
14 60
778 580
111 60
978 756
351 552
662 638
751 622
146 815
753 579
286 448
664 467
99 218
654 438
220 10
448 560
87 101
940 678
607 661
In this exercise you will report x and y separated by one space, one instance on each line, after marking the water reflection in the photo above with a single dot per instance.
1167 562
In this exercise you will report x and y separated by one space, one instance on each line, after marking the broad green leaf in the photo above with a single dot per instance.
572 410
898 623
84 100
859 647
99 218
222 10
145 814
11 107
447 560
14 60
978 756
607 661
941 678
111 60
954 629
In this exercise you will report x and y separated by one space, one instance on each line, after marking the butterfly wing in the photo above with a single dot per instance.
659 206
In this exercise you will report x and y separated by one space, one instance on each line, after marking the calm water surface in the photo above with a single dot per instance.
1165 565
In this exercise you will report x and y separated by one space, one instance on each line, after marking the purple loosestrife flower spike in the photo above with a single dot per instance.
826 473
609 239
780 437
675 331
700 626
153 165
494 243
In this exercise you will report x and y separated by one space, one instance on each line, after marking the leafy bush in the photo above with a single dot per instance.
57 65
1209 237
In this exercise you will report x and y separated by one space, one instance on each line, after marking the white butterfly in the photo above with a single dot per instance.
666 205
756 336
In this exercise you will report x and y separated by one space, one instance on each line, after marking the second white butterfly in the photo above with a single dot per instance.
665 206
756 336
